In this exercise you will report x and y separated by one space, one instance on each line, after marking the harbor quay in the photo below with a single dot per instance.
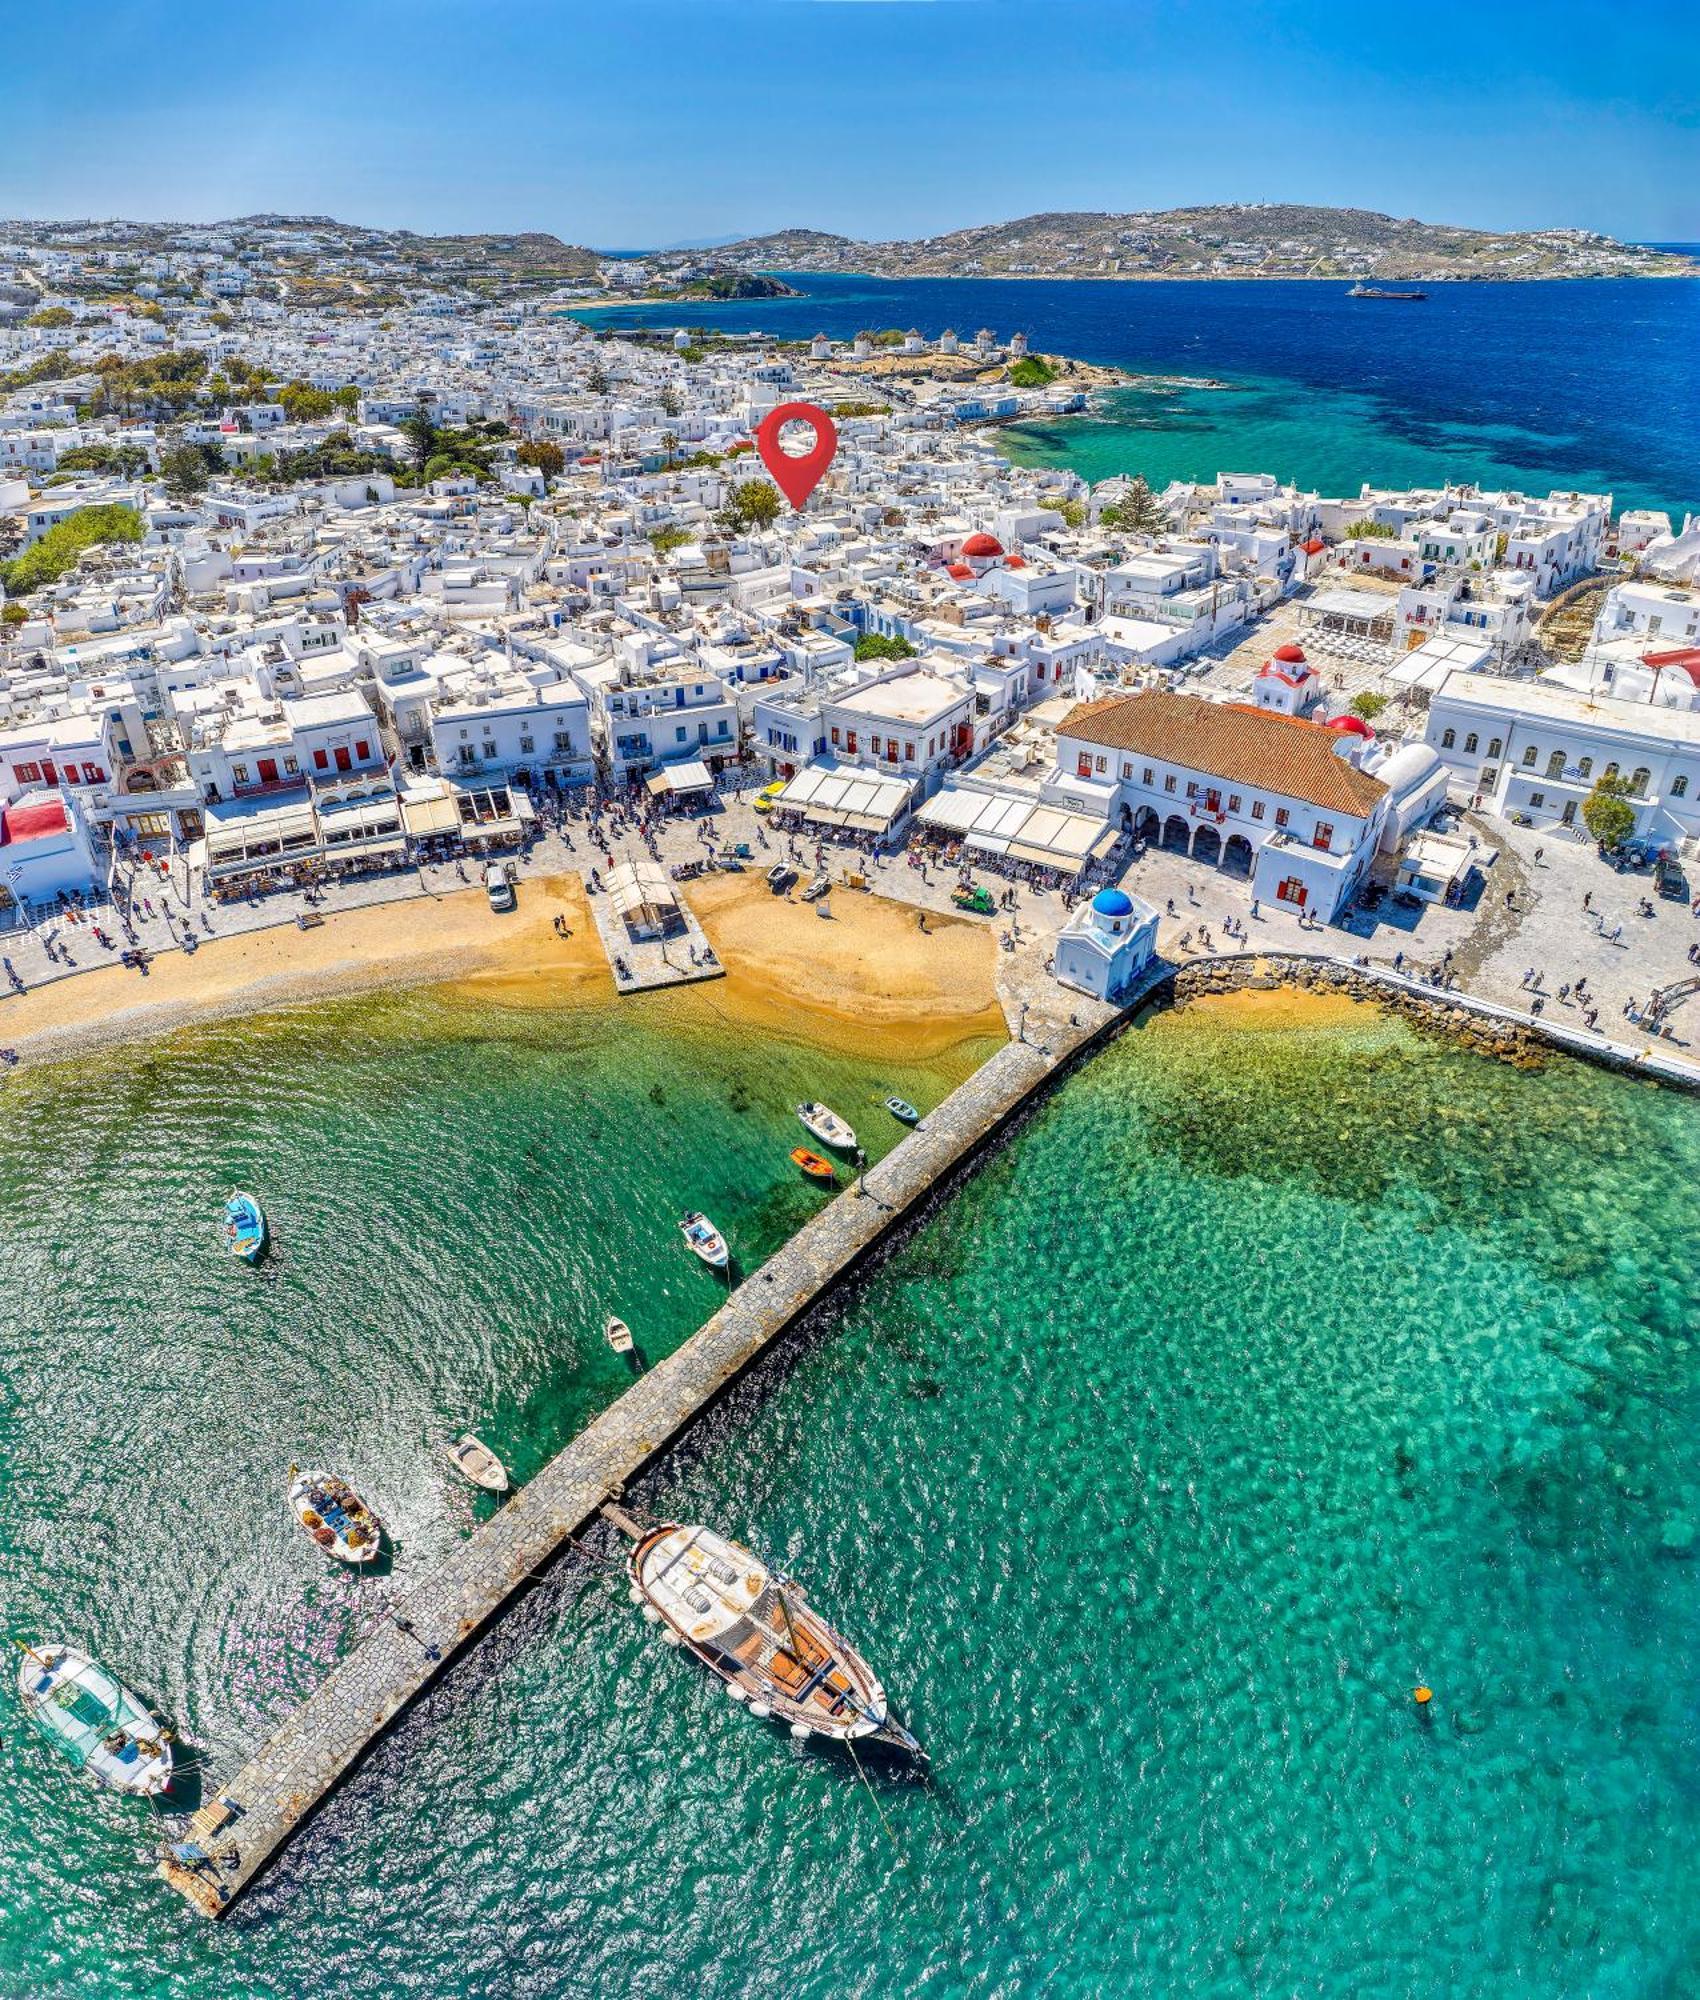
250 1817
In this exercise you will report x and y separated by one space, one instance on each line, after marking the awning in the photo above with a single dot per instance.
425 816
691 776
843 795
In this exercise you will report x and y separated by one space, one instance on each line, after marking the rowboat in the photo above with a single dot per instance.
244 1227
813 1165
705 1240
901 1109
826 1125
757 1631
95 1720
619 1335
477 1462
334 1516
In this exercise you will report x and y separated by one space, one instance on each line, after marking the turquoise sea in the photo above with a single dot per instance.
1592 383
1281 1362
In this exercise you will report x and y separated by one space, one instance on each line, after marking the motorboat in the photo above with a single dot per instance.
474 1459
813 1165
705 1240
619 1335
903 1111
95 1720
244 1227
825 1125
333 1516
756 1630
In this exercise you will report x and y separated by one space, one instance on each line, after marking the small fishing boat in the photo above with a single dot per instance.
756 1630
244 1227
474 1459
902 1110
619 1335
334 1516
813 1165
705 1240
825 1125
98 1723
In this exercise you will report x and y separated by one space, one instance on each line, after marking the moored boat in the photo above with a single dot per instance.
244 1227
902 1110
98 1723
334 1516
705 1240
757 1631
619 1335
824 1124
813 1165
474 1459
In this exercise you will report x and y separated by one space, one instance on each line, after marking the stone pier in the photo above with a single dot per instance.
251 1816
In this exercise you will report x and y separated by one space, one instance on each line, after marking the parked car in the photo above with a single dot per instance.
498 886
765 797
1669 879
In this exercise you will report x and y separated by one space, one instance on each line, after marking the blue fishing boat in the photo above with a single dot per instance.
902 1110
244 1227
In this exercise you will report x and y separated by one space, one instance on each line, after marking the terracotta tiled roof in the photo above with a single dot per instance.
1240 745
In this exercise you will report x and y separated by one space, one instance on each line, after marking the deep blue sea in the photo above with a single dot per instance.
1592 383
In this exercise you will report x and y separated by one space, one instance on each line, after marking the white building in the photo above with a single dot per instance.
1106 944
1280 800
1538 749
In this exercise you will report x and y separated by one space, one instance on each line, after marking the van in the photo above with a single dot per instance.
498 887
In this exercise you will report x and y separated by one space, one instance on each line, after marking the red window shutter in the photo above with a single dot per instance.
360 750
320 761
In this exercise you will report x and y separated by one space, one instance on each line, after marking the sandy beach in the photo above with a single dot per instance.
867 975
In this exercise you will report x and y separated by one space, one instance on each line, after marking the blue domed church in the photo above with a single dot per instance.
1106 944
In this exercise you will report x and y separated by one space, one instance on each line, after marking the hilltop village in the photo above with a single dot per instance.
300 605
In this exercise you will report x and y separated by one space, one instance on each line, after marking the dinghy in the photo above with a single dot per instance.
705 1240
619 1335
757 1631
824 1124
333 1516
474 1459
902 1110
813 1165
95 1720
244 1227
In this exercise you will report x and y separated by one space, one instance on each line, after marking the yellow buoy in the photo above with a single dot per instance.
1422 1696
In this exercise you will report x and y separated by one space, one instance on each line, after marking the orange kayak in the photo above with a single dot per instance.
813 1165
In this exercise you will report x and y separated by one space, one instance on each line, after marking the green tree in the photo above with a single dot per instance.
184 470
597 380
1137 512
665 540
13 614
547 456
47 560
876 646
1032 371
1368 705
52 316
347 400
421 434
670 404
303 404
1072 511
1606 814
755 504
1370 531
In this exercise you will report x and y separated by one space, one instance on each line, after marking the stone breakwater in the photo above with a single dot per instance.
1521 1040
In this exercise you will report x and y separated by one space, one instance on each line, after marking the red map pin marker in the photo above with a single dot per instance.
797 478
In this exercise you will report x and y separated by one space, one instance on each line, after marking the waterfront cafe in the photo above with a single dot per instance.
845 798
256 842
1014 835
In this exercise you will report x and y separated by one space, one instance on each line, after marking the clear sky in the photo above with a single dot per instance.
629 123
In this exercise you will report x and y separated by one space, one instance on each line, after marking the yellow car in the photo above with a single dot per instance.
765 798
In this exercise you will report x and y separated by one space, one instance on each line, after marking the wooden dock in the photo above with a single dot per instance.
251 1817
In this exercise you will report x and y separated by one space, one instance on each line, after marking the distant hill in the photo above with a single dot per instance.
1263 239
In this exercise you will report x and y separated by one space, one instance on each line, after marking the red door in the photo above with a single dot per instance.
343 761
268 770
49 776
